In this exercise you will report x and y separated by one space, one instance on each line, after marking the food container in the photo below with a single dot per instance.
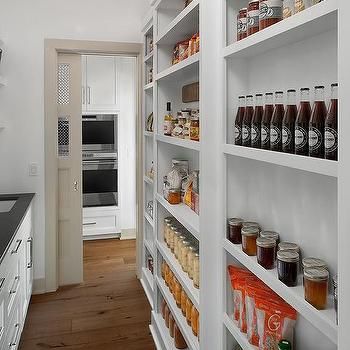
288 267
234 227
174 196
316 287
249 236
266 252
242 23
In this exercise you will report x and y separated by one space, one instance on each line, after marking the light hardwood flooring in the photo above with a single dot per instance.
108 311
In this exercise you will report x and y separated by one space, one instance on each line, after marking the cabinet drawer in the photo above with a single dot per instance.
14 329
100 225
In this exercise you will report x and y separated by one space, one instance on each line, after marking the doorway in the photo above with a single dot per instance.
68 247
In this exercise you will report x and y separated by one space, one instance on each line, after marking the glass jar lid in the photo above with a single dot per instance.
270 234
177 232
173 227
316 274
182 237
288 256
250 231
186 243
169 219
250 224
314 262
266 242
288 246
196 254
174 190
235 221
169 224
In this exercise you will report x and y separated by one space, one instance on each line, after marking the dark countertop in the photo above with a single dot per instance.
11 221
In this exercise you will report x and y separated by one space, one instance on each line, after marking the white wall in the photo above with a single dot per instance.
23 27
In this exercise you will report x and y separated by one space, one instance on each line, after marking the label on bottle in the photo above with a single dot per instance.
300 137
253 19
265 133
245 133
238 133
286 136
270 9
315 139
168 127
242 25
255 134
275 135
330 139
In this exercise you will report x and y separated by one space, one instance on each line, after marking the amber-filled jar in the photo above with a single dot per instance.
163 308
179 340
266 252
163 268
189 306
173 290
270 234
196 271
249 236
183 302
234 227
174 196
178 291
271 12
314 262
194 320
194 128
242 23
316 287
253 17
166 315
166 272
171 280
171 325
288 267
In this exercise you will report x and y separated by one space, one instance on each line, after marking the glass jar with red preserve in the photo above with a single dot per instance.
253 17
234 226
270 12
242 23
266 252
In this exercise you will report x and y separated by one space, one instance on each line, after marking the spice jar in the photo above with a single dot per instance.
314 262
163 308
172 230
242 23
234 227
178 291
189 306
253 17
177 235
289 246
166 232
194 320
166 315
171 325
179 340
163 268
166 272
180 245
194 127
184 253
190 257
316 287
335 293
171 280
174 196
196 270
270 13
249 236
173 289
266 252
288 267
270 234
183 302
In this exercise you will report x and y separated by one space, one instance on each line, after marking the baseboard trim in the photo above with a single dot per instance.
129 233
101 236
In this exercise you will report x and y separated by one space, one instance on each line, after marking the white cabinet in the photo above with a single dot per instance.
99 85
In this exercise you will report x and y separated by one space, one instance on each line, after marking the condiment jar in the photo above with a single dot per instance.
183 302
194 128
266 252
166 315
250 223
271 12
179 340
171 325
196 270
172 230
182 238
177 235
253 17
313 262
166 233
184 253
194 320
189 306
178 291
174 196
288 267
249 236
270 234
234 227
316 287
190 257
242 23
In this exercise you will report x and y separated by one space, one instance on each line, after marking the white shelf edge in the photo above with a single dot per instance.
309 164
149 294
177 20
240 337
195 145
149 219
323 320
155 337
149 278
148 133
148 180
151 250
148 86
182 213
148 57
179 66
299 19
191 340
181 276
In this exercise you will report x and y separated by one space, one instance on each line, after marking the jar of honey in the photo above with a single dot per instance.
249 236
179 340
163 268
183 302
288 267
174 196
234 227
171 325
196 270
194 320
178 291
316 287
166 315
266 252
194 127
189 306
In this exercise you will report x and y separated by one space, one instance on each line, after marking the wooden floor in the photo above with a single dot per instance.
109 311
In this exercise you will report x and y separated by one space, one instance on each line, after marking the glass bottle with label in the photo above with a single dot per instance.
247 121
266 120
242 23
168 120
302 123
253 17
288 123
271 12
331 127
276 123
239 120
256 122
317 124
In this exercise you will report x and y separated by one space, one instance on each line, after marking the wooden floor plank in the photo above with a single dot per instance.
108 311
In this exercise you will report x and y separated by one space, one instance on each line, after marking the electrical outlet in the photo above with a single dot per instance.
33 169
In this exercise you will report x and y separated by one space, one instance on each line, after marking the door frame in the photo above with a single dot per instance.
52 48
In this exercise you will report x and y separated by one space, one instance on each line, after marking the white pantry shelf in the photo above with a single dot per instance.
240 337
309 164
182 27
148 133
148 180
148 277
182 277
182 68
147 288
149 57
195 145
182 213
148 86
155 336
149 219
323 320
314 20
191 340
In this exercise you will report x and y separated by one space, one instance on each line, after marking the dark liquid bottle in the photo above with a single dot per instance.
239 120
266 121
276 123
302 123
288 123
247 122
256 122
331 127
316 126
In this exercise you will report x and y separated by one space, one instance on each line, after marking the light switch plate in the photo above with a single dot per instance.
33 169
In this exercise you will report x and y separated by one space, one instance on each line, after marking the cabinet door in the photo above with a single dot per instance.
83 83
101 80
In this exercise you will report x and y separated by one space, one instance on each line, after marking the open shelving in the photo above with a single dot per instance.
194 145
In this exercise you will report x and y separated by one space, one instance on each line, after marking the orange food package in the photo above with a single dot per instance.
183 50
275 320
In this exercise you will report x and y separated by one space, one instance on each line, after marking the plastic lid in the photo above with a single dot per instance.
316 274
288 246
250 231
314 262
250 223
173 227
235 221
270 234
284 345
305 89
266 242
288 256
169 219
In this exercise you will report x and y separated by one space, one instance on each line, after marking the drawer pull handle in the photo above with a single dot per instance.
15 338
14 287
2 281
18 244
30 264
89 223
